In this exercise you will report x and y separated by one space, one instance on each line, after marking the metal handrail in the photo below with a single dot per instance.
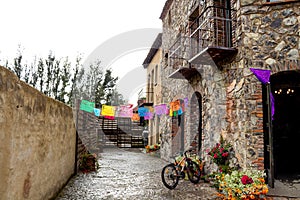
208 7
172 52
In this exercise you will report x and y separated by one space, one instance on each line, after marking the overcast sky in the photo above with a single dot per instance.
70 27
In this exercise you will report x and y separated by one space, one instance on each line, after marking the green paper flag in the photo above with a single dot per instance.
87 106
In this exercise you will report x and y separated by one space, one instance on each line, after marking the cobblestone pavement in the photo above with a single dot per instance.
127 174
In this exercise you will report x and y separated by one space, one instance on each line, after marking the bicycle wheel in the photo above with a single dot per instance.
169 176
193 172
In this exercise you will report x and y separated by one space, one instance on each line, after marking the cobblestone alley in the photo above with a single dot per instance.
128 174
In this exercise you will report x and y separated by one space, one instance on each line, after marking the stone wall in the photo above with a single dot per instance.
267 37
209 83
172 28
88 129
38 139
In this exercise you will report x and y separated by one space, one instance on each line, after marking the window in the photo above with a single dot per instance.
152 84
169 18
155 77
149 88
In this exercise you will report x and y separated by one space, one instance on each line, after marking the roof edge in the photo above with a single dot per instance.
165 9
154 48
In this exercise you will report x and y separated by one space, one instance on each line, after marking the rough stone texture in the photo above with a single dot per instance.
267 37
37 150
210 84
272 34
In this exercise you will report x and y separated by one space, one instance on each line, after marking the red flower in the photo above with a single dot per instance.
225 154
246 180
215 156
221 150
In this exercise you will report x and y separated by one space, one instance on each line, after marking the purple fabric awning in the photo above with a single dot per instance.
263 76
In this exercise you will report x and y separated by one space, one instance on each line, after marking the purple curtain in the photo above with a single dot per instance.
263 76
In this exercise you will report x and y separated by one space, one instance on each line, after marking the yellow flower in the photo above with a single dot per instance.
265 190
261 180
239 191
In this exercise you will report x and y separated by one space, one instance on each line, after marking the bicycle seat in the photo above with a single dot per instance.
190 150
176 155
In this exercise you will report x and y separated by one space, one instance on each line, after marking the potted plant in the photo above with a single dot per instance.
88 162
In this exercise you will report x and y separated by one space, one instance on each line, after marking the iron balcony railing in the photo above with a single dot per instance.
215 27
178 53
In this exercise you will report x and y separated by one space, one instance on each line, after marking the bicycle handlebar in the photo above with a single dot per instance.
184 153
188 151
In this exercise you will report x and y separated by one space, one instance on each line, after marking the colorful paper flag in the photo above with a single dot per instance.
108 111
186 102
175 105
125 111
161 109
135 117
148 115
142 111
97 112
87 106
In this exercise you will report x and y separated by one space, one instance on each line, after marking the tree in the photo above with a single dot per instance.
40 74
117 98
109 84
27 73
56 79
76 77
49 78
65 77
59 79
33 76
17 66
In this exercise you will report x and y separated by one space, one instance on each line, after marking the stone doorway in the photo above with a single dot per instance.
285 87
286 130
177 129
196 121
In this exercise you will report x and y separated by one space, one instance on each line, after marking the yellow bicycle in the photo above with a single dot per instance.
172 172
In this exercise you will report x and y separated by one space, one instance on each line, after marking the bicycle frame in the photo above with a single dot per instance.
182 162
172 172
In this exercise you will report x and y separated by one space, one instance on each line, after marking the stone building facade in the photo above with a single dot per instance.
153 65
208 48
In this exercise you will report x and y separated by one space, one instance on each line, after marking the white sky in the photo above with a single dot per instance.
70 27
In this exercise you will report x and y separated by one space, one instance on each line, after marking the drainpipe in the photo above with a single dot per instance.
270 130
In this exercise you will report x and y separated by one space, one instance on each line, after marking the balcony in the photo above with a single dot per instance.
212 36
178 59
